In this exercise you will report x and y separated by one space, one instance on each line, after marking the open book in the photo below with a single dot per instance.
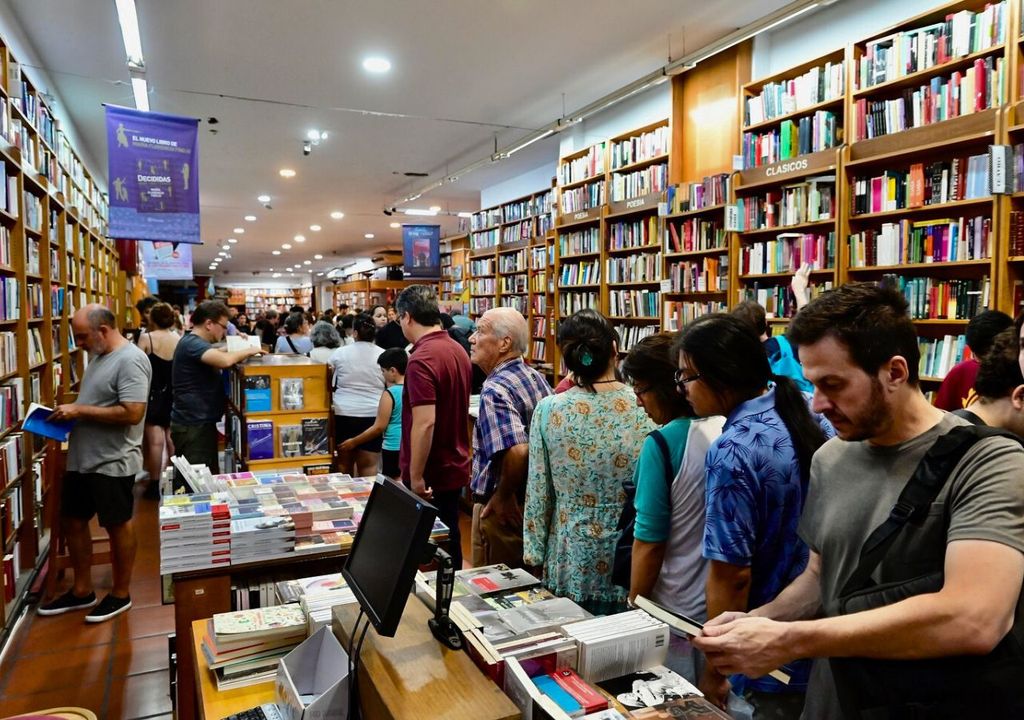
37 421
241 342
686 625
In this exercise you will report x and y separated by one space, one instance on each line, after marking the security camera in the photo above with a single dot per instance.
389 211
307 148
267 206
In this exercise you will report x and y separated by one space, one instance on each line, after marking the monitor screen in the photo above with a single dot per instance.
388 548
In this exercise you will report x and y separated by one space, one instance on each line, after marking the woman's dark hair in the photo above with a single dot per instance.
293 323
651 363
395 358
345 322
587 342
732 362
366 329
161 316
982 330
1000 371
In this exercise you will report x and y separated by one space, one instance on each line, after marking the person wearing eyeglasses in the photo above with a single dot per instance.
197 392
667 565
757 477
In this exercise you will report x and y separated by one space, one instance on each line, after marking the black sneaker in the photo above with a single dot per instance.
67 603
108 608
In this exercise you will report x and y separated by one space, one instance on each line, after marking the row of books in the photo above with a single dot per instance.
33 212
571 302
788 253
12 513
516 302
580 273
36 353
641 267
706 274
790 139
482 286
711 191
34 300
8 353
538 350
935 299
634 303
515 262
626 186
306 439
517 232
1016 233
542 257
10 301
485 239
809 201
904 53
514 283
585 197
694 234
481 266
630 335
632 234
486 218
677 313
938 356
778 300
817 85
14 456
589 165
9 191
528 208
651 144
980 87
579 242
926 241
479 305
539 326
921 185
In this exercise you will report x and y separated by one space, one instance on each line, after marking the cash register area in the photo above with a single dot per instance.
118 667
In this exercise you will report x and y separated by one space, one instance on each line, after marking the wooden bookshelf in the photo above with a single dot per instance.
454 268
1009 255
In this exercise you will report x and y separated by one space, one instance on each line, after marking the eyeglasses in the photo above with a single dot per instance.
682 380
224 325
640 392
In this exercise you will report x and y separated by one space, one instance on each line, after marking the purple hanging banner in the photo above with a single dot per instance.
153 166
421 254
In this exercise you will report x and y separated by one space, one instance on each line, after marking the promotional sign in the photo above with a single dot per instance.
153 167
421 255
167 260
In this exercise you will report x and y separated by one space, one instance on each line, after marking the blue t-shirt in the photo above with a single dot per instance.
783 362
653 500
302 344
393 433
755 496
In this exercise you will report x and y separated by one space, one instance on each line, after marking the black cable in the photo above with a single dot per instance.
351 663
359 648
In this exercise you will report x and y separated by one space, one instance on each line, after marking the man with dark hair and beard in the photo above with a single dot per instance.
962 618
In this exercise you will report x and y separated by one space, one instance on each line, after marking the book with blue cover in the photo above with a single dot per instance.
257 393
260 436
37 422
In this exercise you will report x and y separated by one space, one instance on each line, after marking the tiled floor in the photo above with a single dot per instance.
117 669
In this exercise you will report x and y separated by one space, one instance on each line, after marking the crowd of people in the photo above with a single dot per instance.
799 494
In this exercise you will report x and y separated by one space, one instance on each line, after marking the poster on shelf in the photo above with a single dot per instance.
421 256
167 260
152 161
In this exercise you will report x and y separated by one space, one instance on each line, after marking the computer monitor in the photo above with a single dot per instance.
389 546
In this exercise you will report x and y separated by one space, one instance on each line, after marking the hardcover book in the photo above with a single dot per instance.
257 393
260 436
293 394
314 436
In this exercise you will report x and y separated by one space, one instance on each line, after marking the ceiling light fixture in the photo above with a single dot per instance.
286 173
263 198
232 240
315 228
337 215
396 225
275 252
129 21
435 208
277 275
300 238
465 214
376 64
286 246
239 231
250 218
141 92
318 257
316 135
368 236
319 274
419 211
307 262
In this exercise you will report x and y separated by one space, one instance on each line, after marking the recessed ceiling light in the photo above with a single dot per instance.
232 240
396 225
286 173
277 275
263 198
300 238
222 253
307 262
286 246
239 231
376 64
319 274
368 236
275 252
316 135
213 267
315 228
435 208
337 215
250 218
318 257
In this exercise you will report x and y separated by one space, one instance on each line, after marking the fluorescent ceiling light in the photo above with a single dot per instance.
141 92
435 208
129 20
337 215
250 218
286 173
315 228
264 198
277 275
232 240
529 142
465 214
419 211
396 225
376 64
300 238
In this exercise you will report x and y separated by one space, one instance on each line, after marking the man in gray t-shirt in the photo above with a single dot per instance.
104 455
859 348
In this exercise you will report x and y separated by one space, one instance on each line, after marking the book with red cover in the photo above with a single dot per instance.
588 698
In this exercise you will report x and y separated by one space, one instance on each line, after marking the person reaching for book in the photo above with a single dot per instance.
388 423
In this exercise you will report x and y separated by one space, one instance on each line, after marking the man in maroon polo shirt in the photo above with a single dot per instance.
434 456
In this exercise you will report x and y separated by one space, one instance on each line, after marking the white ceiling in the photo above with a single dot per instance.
462 72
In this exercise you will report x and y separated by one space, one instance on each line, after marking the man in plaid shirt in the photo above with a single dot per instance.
501 436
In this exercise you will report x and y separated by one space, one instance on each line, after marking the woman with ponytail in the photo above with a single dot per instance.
583 444
757 473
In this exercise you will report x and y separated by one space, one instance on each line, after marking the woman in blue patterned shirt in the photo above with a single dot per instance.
757 473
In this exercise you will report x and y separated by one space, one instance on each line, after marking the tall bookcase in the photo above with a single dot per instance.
54 258
454 259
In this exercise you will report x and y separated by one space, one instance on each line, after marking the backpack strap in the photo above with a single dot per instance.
930 476
666 455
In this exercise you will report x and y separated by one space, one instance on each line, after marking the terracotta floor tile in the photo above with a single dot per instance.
89 697
145 622
146 593
141 655
141 696
36 673
62 632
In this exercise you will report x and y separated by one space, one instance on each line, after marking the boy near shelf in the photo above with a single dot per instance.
389 413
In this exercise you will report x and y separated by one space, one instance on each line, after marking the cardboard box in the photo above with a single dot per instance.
312 680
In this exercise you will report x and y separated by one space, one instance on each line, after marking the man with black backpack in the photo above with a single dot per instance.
915 520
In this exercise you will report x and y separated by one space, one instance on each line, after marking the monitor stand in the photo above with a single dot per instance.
441 624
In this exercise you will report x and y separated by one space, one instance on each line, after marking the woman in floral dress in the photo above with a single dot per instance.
583 444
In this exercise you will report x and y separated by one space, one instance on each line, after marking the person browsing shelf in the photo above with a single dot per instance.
583 447
296 338
999 387
956 390
159 343
501 435
197 389
104 455
781 357
388 423
358 383
757 473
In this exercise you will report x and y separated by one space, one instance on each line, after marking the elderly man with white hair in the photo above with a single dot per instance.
502 435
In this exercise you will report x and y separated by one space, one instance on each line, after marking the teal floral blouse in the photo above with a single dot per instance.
583 446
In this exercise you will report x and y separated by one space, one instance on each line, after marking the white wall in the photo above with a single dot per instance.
524 184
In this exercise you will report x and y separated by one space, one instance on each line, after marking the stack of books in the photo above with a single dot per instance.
195 532
243 647
316 595
617 644
261 538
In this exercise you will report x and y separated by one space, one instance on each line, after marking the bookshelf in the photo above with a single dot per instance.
454 258
261 300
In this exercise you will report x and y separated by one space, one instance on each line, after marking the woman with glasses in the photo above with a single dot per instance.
669 479
757 473
583 446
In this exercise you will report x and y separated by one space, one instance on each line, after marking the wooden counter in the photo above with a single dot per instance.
215 704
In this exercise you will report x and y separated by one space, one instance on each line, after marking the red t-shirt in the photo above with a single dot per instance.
958 386
439 374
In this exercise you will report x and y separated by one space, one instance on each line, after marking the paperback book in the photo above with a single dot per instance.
260 436
257 393
291 440
293 394
314 436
